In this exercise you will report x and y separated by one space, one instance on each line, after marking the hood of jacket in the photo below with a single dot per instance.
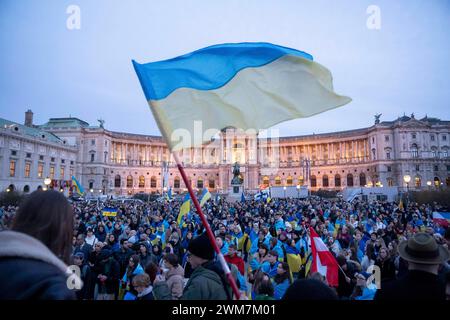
20 245
178 271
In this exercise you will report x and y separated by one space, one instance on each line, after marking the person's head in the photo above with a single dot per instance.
171 260
283 268
152 270
272 256
232 249
89 232
98 246
309 289
423 253
140 282
78 259
133 261
265 286
124 243
383 254
48 217
112 239
156 250
200 251
143 249
219 242
263 250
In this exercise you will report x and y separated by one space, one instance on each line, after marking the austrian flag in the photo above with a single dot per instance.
323 261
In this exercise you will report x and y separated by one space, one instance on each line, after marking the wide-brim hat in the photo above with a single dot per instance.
422 248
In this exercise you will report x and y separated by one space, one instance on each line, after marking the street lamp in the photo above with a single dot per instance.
8 190
298 191
284 189
429 184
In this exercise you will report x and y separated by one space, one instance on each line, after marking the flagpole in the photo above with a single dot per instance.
209 232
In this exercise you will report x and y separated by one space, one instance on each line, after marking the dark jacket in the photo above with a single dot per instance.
86 249
111 270
206 283
29 270
415 285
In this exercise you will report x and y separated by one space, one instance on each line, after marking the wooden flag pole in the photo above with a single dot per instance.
209 232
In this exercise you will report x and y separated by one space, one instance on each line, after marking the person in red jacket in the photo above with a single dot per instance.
233 258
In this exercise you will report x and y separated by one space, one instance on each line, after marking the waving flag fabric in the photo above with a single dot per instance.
442 218
205 196
78 186
184 209
241 85
322 259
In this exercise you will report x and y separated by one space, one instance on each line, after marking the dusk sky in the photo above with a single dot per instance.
403 67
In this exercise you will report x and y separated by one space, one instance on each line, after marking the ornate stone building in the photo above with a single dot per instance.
111 162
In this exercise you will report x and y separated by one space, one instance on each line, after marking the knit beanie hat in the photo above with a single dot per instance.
201 247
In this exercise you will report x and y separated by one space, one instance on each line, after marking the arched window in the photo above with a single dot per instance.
289 181
26 189
434 152
390 182
153 182
176 183
200 183
117 181
337 180
417 182
437 182
414 151
325 181
362 179
313 182
129 182
301 180
212 183
349 180
141 182
278 181
266 181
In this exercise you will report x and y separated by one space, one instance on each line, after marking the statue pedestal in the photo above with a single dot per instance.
235 192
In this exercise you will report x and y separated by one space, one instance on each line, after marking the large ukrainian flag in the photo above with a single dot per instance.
240 85
184 209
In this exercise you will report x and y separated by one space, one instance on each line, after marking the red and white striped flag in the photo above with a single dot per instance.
323 261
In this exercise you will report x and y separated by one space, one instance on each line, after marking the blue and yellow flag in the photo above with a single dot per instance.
184 209
109 212
205 196
169 195
78 186
241 85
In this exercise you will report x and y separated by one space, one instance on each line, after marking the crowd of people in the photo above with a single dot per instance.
145 252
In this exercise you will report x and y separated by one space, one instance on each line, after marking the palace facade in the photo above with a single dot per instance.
109 162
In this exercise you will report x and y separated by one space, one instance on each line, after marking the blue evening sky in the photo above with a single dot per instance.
87 73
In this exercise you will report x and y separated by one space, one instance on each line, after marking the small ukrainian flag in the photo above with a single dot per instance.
184 209
78 186
206 195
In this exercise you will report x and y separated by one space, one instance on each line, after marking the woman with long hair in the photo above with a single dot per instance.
282 280
33 255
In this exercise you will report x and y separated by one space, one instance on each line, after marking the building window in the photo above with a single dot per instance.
388 155
325 181
176 183
289 181
13 152
373 139
435 168
52 172
432 137
12 168
414 151
71 172
212 183
26 189
40 170
362 179
28 155
417 167
301 181
61 173
93 142
71 163
386 138
313 182
434 153
390 182
417 182
374 154
41 158
200 183
117 181
278 181
444 137
141 182
92 157
153 182
63 161
266 181
27 169
91 185
52 159
413 135
389 168
129 182
445 153
349 180
337 180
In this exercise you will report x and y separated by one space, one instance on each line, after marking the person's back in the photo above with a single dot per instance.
421 282
29 264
